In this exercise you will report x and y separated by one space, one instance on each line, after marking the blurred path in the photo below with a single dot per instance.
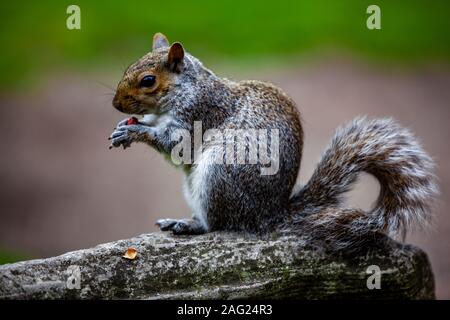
62 189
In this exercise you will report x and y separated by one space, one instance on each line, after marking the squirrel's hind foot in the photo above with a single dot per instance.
181 227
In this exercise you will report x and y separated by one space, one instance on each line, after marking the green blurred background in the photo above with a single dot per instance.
33 37
61 189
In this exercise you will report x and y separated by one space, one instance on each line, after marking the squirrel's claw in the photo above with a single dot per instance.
118 139
166 224
122 123
122 137
125 134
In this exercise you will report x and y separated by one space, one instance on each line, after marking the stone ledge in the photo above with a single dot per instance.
219 266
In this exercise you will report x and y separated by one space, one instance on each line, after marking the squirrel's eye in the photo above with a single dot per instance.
147 81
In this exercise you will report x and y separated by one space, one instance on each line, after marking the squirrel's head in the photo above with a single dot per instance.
147 83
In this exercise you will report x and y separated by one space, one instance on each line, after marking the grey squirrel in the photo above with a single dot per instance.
172 89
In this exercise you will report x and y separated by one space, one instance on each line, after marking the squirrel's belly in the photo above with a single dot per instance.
196 187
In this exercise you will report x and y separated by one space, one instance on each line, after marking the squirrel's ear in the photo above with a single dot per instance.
176 55
160 41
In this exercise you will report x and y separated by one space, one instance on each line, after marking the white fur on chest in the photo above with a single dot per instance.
196 188
159 122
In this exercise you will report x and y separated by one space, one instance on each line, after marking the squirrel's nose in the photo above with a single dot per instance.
116 104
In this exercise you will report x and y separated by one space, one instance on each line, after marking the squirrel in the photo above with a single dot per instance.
172 89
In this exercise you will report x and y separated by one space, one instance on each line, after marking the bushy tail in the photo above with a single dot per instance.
389 152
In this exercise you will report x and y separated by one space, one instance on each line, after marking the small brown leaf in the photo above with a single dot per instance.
130 254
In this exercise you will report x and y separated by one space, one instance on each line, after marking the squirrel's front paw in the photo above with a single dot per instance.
126 134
